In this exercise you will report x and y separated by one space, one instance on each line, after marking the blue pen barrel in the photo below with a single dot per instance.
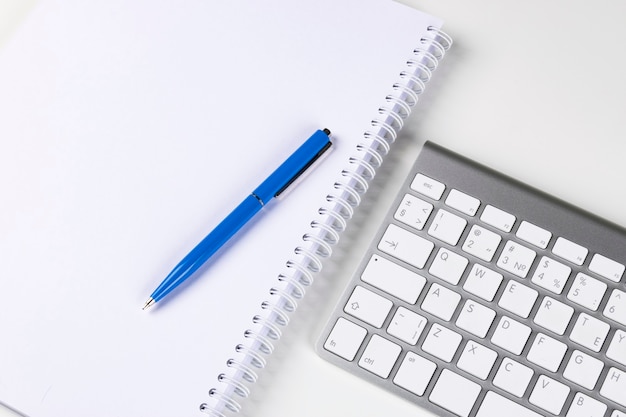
293 167
275 184
209 245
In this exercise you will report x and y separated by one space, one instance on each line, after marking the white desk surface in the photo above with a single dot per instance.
532 88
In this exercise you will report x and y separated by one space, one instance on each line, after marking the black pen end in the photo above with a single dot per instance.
326 131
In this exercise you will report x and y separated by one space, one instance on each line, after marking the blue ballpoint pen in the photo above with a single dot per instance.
273 186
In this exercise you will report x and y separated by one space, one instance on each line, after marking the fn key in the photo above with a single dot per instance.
345 339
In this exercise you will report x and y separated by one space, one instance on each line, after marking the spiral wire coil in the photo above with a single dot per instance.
324 233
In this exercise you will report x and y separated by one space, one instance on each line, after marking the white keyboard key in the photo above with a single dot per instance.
481 243
406 246
553 315
393 279
614 386
617 348
511 335
368 306
497 218
494 404
533 234
570 251
415 373
413 211
587 291
427 186
551 275
585 406
583 369
617 413
463 202
448 266
547 352
477 359
441 301
441 342
615 308
483 282
516 259
345 339
406 325
455 393
589 332
475 318
379 356
518 298
549 394
447 227
513 377
606 268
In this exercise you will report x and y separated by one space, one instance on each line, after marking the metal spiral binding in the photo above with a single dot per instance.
324 232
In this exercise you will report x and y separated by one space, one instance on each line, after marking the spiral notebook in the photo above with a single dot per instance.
129 129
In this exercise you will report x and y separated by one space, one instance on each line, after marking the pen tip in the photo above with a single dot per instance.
148 303
326 131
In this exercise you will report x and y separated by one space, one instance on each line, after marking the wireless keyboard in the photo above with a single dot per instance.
481 296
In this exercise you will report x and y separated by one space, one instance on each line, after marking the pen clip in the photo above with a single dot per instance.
300 175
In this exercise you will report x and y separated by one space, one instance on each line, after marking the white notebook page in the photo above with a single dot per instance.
128 131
